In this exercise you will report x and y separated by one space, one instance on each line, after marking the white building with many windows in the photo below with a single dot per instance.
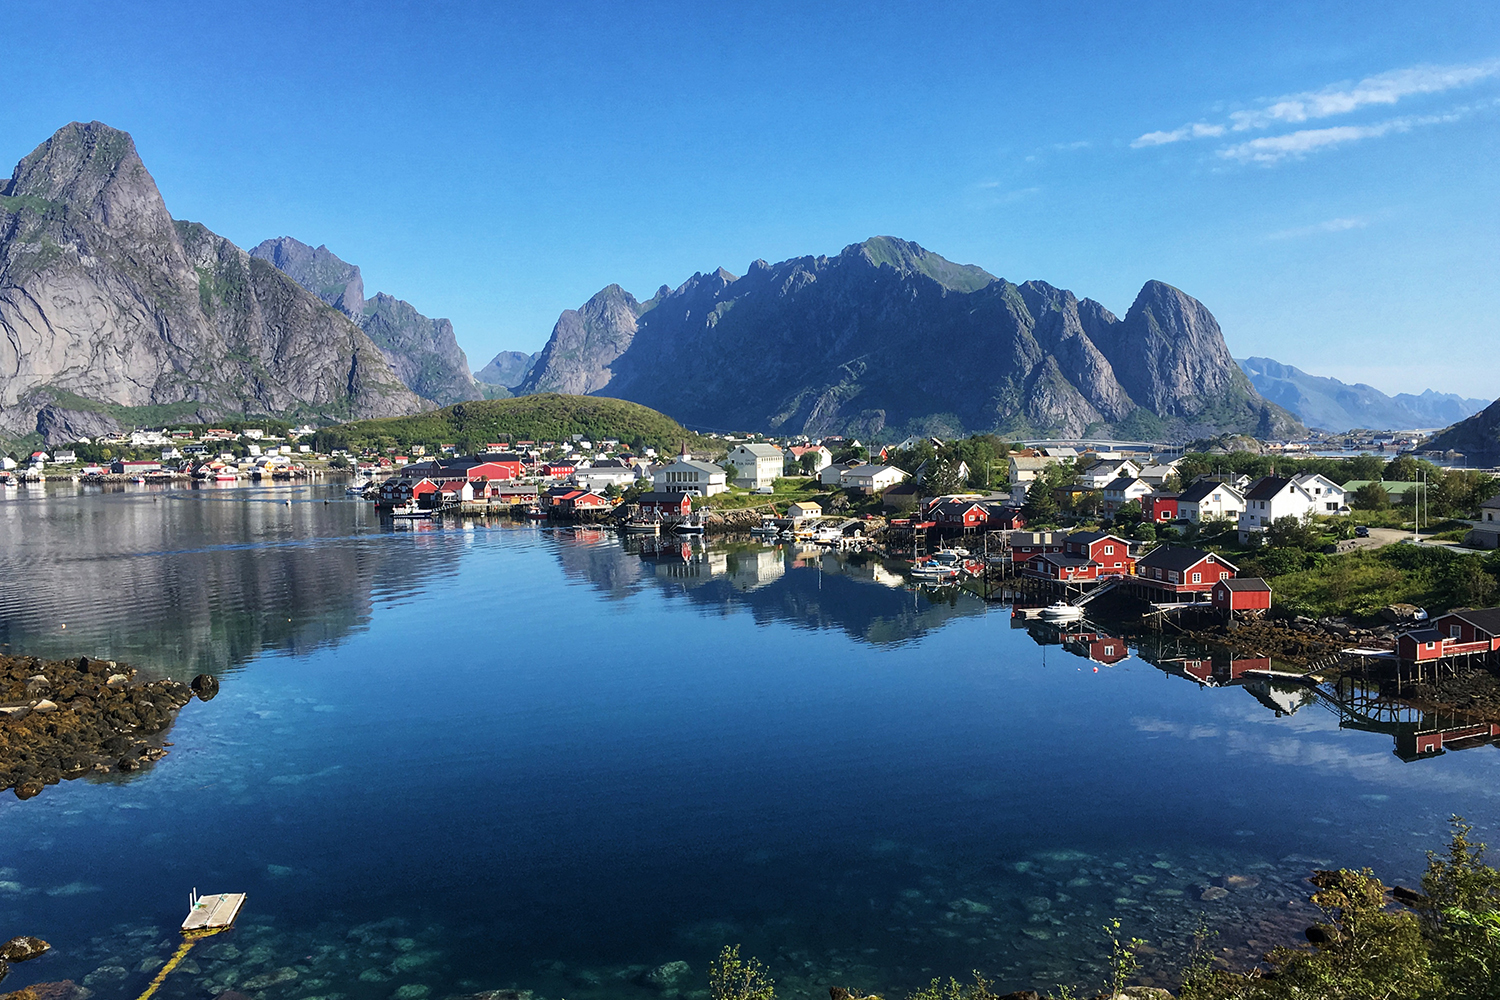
688 476
756 465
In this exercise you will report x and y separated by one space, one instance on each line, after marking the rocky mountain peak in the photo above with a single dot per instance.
104 297
907 258
317 269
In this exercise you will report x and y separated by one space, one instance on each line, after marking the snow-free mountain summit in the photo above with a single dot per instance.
888 338
107 302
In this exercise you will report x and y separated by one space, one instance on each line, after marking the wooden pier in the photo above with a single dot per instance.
210 913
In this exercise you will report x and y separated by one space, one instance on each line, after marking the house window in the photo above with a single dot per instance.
1109 651
1109 550
1223 576
1197 577
1455 631
1430 645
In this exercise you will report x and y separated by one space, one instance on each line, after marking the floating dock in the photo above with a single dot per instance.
211 913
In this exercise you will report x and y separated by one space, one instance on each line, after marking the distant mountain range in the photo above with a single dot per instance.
109 305
508 368
889 338
1332 405
424 352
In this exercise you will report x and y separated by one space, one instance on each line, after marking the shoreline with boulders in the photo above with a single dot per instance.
63 719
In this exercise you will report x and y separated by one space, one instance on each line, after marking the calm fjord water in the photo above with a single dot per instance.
454 758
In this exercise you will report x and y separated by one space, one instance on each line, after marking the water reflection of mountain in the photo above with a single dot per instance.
184 582
811 588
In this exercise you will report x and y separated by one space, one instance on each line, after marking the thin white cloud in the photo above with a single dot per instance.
1275 148
1384 89
1340 99
1329 226
1197 130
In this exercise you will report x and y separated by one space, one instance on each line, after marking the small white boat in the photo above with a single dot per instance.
768 528
934 573
641 527
692 526
225 476
1061 612
357 488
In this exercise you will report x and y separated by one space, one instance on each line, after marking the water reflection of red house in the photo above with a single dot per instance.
1217 670
1413 745
1104 649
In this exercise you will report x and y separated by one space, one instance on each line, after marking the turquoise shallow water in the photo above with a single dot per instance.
457 759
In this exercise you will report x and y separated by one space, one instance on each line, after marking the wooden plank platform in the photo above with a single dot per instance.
213 912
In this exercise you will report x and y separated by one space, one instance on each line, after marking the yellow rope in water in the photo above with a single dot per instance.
176 959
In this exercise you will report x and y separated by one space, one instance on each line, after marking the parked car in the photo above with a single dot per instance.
1360 531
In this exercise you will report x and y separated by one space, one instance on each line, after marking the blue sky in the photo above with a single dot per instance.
1321 176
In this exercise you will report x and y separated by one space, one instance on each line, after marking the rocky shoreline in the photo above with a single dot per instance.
63 719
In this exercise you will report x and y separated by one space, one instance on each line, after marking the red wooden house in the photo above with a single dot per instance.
1110 552
1477 629
1160 507
1061 567
958 514
1420 646
1027 545
658 505
556 470
1249 593
1179 573
584 502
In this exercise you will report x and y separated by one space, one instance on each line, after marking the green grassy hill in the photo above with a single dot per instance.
543 417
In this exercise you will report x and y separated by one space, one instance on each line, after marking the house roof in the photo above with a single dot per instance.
695 464
1161 471
1197 491
761 450
1060 559
1179 557
1028 464
1120 484
1485 619
1493 503
1090 537
1248 583
663 497
1425 635
861 471
1267 487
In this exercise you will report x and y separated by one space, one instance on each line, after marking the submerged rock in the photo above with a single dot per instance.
205 686
668 975
1213 893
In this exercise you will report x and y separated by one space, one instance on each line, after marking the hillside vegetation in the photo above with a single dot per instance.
543 417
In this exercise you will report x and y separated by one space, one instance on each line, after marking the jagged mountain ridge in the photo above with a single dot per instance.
890 338
106 301
1338 406
424 352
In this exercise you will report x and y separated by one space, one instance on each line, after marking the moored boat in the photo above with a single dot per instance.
1060 612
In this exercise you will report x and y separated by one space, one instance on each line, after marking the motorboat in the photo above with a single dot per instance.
692 526
641 526
768 528
1060 612
357 488
934 572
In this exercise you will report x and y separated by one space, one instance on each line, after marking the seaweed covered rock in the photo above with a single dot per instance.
95 717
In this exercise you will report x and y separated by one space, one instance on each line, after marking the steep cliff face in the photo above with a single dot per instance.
890 338
585 342
423 352
104 296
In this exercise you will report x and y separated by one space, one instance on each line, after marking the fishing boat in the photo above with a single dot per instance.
225 476
1060 612
357 488
535 513
768 528
641 526
934 572
692 526
9 479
